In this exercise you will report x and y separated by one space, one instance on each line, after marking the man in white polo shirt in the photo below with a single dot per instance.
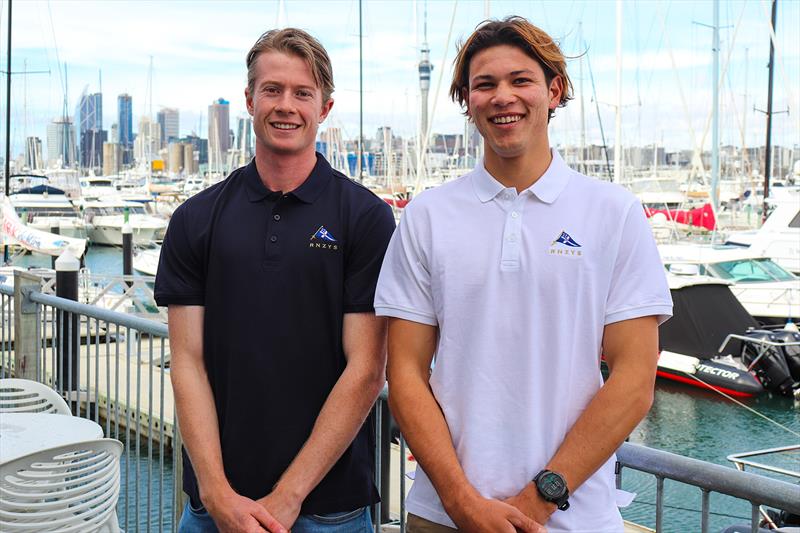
518 276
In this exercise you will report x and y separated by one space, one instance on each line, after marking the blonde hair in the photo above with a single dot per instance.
514 31
296 42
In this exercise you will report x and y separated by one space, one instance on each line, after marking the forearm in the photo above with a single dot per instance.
339 420
603 426
197 416
425 429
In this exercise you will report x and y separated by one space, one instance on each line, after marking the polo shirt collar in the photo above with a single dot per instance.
307 192
547 188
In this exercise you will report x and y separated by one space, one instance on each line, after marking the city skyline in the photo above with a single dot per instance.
194 67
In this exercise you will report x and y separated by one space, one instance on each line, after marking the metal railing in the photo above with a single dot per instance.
112 368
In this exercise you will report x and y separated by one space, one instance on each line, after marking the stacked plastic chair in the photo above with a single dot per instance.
26 396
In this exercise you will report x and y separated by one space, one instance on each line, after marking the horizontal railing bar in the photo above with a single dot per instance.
712 477
151 327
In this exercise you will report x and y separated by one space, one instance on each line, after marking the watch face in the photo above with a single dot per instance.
551 485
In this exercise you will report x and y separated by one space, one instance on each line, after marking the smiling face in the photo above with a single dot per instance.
286 105
509 99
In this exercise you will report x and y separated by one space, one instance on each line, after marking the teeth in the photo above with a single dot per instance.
282 126
506 120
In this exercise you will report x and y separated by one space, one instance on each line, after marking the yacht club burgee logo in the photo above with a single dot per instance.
324 239
566 246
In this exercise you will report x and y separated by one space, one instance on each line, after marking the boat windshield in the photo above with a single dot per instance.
750 271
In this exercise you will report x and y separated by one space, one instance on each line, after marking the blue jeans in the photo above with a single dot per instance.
358 521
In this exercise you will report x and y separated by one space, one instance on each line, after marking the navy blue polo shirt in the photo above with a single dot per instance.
276 273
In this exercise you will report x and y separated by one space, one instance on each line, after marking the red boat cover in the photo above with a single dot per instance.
699 216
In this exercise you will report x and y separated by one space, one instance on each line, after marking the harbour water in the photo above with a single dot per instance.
683 420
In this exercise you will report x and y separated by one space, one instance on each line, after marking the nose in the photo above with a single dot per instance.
284 103
503 94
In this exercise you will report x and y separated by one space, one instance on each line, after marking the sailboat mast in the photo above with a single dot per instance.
768 147
715 111
8 117
360 92
618 126
583 115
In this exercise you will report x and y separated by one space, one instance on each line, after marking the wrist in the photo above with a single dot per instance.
290 492
211 494
460 498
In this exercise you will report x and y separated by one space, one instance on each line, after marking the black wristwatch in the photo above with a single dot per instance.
553 488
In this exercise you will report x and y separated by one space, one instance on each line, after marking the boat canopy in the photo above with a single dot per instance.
40 189
703 315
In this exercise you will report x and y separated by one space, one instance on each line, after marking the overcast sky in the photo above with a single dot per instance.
198 51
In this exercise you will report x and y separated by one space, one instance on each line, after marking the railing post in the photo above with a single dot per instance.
26 340
67 266
127 249
385 450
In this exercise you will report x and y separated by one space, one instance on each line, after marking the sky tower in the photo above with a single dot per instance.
425 69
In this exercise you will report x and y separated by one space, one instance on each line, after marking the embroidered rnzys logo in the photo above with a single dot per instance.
322 238
566 246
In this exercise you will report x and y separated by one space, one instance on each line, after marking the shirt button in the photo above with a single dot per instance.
512 238
276 217
514 214
274 238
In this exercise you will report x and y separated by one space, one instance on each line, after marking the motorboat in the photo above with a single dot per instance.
106 218
145 260
769 292
98 187
712 342
779 236
44 207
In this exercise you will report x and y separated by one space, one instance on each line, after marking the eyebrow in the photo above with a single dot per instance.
280 84
489 77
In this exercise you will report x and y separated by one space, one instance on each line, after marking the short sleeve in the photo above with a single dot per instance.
181 272
639 281
404 286
370 238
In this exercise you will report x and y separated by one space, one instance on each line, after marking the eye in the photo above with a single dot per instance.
271 89
303 93
483 86
522 81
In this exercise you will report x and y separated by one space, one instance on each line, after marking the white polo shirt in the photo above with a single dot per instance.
521 286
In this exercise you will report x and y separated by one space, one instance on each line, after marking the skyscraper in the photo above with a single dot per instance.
90 128
61 149
168 125
244 139
125 125
218 134
33 153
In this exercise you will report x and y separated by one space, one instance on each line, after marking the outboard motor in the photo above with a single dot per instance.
772 369
790 352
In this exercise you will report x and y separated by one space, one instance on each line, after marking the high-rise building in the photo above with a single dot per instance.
125 125
218 134
61 148
244 138
33 153
147 142
200 146
112 158
90 130
168 125
90 112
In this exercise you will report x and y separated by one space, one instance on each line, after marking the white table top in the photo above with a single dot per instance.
24 433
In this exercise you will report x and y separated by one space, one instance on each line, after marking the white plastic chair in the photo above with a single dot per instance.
26 396
72 488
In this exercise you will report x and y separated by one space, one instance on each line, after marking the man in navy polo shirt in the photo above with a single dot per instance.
277 355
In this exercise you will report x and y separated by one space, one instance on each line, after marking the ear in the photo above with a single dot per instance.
556 90
465 99
248 98
326 108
